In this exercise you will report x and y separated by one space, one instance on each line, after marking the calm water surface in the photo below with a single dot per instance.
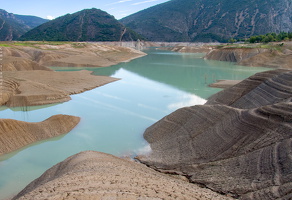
114 116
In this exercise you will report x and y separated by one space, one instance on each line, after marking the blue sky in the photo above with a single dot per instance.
56 8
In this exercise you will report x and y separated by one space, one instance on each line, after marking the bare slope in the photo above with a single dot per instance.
38 87
27 81
94 175
17 134
268 55
34 56
238 143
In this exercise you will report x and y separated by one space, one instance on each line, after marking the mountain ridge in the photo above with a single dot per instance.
213 20
85 25
12 26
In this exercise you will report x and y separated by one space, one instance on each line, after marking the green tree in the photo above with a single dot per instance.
232 40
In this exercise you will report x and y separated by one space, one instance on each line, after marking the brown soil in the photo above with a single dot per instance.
95 175
224 83
37 56
190 49
276 56
17 134
38 87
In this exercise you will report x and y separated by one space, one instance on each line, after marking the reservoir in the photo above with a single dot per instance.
114 116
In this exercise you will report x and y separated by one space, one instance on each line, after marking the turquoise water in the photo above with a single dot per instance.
114 116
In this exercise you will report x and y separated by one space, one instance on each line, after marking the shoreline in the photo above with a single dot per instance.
106 179
23 65
224 83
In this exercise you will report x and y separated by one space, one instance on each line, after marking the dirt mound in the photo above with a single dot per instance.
17 134
38 87
94 175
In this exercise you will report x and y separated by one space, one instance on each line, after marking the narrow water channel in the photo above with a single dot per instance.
114 116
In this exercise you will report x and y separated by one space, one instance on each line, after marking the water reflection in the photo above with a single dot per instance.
183 71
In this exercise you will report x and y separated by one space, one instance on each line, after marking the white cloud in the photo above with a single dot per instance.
142 2
50 17
122 1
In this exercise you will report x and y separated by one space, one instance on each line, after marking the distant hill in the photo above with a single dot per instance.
211 20
12 26
86 25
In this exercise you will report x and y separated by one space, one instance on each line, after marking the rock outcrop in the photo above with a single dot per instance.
94 175
39 87
238 143
17 134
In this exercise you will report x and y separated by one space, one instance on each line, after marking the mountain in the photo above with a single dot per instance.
13 26
86 25
211 20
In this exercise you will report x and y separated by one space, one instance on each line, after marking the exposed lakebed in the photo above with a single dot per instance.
114 116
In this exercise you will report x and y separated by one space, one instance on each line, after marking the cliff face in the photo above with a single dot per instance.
213 20
94 175
239 142
17 134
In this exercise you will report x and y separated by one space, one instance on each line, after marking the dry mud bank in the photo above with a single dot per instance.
190 49
39 87
36 56
274 55
26 79
17 134
238 143
95 175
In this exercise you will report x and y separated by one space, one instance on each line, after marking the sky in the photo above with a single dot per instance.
50 9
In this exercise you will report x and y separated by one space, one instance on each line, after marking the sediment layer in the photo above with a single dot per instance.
94 175
276 56
17 134
38 56
238 143
39 87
